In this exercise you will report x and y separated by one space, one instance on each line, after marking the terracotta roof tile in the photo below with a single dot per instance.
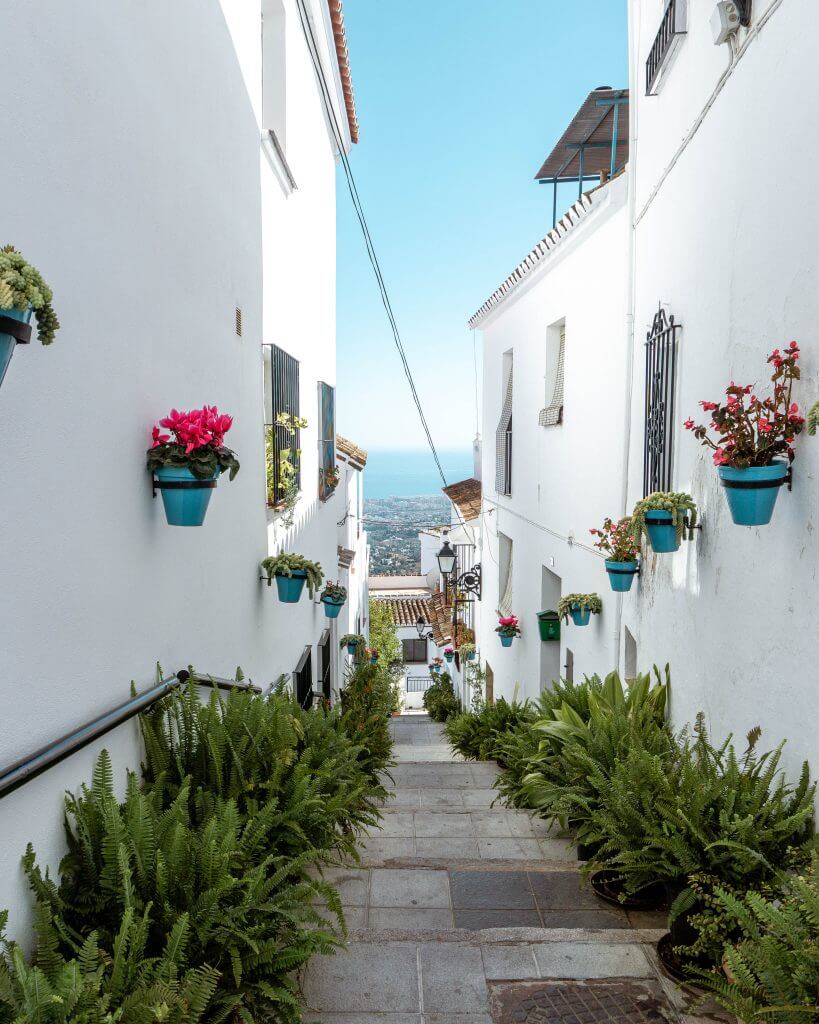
466 494
441 621
406 610
351 451
343 57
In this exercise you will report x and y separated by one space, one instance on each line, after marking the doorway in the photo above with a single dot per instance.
550 588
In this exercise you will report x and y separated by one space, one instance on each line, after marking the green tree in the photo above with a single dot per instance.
383 634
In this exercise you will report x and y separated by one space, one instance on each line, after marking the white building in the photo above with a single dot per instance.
174 181
711 223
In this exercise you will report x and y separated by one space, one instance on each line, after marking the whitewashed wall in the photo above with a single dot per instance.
135 186
565 478
726 237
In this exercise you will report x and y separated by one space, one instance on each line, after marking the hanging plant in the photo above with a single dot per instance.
467 652
333 597
753 447
331 477
23 292
187 462
449 653
663 518
353 642
580 607
291 573
436 665
507 629
617 541
372 653
285 495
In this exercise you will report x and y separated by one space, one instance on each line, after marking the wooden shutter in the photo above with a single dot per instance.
284 401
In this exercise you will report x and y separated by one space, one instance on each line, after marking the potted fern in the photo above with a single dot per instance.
548 623
580 606
291 573
753 447
187 462
352 641
617 541
663 517
23 293
333 597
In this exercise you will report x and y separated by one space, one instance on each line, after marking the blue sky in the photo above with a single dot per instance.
459 101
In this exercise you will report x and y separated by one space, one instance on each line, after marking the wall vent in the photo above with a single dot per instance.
239 321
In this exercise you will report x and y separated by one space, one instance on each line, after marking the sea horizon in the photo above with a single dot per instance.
411 472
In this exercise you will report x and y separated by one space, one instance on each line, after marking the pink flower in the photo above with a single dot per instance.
720 457
158 438
764 425
689 425
709 406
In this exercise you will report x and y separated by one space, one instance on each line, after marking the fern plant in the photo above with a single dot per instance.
21 286
367 701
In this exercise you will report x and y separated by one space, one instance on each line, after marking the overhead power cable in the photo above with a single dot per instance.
326 95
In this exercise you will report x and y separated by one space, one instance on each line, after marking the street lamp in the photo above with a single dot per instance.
420 626
446 557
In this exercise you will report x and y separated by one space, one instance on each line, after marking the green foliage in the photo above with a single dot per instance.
334 592
478 736
440 700
367 701
353 639
204 462
677 503
383 634
774 963
813 418
286 564
571 601
21 286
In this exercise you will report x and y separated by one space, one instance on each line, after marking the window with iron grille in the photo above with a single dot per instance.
303 679
414 652
661 379
324 656
552 415
282 433
672 26
503 435
327 440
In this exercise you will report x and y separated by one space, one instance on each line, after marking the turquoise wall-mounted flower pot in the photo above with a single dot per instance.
332 608
352 648
752 492
662 533
580 616
449 657
290 587
470 657
621 574
506 641
374 660
185 506
8 342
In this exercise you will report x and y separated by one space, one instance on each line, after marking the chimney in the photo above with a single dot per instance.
476 457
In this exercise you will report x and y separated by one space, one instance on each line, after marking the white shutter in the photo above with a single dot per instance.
501 444
552 415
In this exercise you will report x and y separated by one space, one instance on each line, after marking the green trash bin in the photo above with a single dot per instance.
549 625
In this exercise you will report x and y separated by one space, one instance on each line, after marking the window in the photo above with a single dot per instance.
324 659
274 70
303 679
282 425
503 435
415 652
660 396
552 415
327 440
672 27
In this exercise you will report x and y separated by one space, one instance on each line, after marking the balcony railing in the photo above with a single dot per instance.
418 684
671 27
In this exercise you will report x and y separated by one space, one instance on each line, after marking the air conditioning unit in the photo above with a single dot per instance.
725 21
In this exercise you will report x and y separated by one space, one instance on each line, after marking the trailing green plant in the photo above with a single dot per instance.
334 592
287 461
21 286
771 971
287 564
465 650
353 640
579 601
678 504
439 699
252 915
100 986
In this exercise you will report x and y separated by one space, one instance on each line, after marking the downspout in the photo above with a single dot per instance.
631 289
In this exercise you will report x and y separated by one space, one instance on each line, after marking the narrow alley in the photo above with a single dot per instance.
463 911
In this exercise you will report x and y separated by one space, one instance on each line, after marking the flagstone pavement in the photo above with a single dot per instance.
464 912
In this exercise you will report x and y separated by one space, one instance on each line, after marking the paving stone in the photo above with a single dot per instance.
557 850
447 849
477 920
368 977
365 1018
410 919
480 797
563 890
386 849
497 890
656 919
409 888
355 918
397 825
609 917
509 963
590 960
433 798
404 798
491 824
452 979
509 849
437 824
353 884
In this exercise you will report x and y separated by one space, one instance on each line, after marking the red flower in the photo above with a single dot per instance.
689 425
709 406
764 425
720 458
158 438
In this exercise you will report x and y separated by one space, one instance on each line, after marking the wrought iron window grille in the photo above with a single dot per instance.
672 26
660 393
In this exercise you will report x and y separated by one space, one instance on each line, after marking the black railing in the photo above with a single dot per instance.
29 767
418 684
284 404
661 380
670 27
507 465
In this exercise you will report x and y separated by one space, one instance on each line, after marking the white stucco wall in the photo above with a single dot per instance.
565 478
136 188
729 244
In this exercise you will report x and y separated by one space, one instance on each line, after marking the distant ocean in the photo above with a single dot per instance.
399 473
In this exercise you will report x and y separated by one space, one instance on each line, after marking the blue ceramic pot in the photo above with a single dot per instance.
662 534
332 608
185 506
580 616
8 342
470 657
506 641
752 502
621 574
352 648
449 657
291 587
374 660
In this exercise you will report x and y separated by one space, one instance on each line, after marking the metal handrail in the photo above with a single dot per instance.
29 767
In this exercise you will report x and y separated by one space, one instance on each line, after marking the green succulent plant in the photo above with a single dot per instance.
286 564
678 504
21 286
571 601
